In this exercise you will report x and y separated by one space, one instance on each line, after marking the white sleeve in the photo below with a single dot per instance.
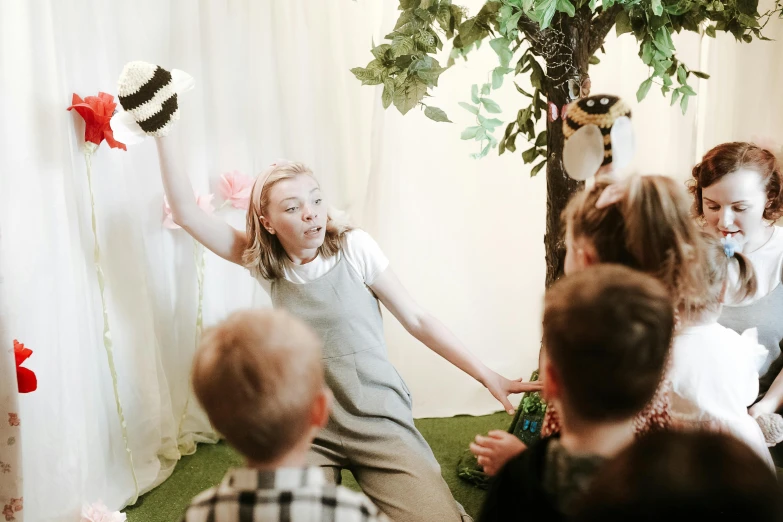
364 254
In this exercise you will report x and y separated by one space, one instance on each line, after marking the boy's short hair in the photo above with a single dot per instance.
607 331
684 476
256 374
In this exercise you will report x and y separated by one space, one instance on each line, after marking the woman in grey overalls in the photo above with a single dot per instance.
371 430
738 193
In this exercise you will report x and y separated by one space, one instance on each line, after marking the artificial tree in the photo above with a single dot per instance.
553 43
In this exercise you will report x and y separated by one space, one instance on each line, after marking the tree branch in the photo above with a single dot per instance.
600 27
532 31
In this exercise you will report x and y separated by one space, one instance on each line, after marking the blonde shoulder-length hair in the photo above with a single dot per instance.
265 256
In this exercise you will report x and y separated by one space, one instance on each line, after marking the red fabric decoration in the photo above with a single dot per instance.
97 112
24 377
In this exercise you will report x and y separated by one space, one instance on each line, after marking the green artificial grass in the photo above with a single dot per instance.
449 438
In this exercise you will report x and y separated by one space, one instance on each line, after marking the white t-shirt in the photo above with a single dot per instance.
767 262
714 374
361 252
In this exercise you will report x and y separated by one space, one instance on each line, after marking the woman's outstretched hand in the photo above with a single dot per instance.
501 388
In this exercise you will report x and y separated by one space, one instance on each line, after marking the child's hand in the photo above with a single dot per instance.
493 451
501 388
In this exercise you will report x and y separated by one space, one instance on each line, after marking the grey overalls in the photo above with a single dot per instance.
371 430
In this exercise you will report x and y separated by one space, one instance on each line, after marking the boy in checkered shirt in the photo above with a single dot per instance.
259 377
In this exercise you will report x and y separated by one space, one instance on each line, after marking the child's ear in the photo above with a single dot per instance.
322 408
586 257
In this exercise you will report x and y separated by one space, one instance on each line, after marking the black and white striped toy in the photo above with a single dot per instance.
148 95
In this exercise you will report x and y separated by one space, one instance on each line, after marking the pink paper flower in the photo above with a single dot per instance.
205 202
13 419
235 188
98 512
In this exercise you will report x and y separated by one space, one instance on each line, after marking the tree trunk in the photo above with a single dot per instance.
571 37
570 62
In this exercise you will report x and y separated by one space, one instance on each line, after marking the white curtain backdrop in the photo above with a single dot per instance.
273 81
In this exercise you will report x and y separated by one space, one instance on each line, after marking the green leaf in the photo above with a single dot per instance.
681 75
379 52
644 88
747 21
663 42
402 45
537 168
523 116
490 105
409 95
710 31
470 108
529 155
430 76
657 7
474 93
530 129
436 114
367 76
469 133
675 96
623 23
522 91
565 6
500 46
513 22
699 74
647 52
485 89
536 74
686 89
684 103
548 14
483 152
511 142
541 139
497 76
386 97
594 60
490 124
748 7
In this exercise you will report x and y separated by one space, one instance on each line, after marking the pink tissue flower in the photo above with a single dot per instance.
205 202
235 188
98 512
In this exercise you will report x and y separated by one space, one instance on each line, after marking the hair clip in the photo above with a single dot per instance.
612 194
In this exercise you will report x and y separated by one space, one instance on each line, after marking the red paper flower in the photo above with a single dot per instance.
97 112
24 377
